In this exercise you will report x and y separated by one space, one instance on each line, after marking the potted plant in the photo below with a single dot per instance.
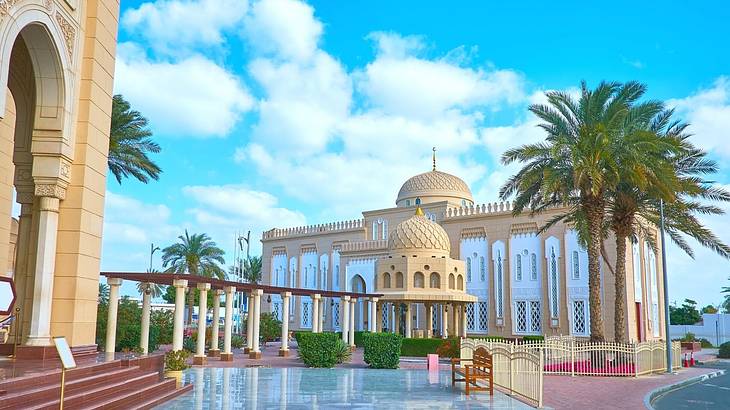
175 363
690 343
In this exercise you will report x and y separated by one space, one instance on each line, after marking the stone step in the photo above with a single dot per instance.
51 377
135 399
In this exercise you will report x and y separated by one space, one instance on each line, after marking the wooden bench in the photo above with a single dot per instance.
479 368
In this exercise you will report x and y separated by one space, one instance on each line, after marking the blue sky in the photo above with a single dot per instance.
278 112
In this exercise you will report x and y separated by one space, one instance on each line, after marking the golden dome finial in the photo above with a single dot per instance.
419 211
434 158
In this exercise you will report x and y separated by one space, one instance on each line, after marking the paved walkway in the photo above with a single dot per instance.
596 393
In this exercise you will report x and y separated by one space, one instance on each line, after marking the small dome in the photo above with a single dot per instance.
419 233
434 184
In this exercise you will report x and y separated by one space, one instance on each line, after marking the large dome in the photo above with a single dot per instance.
434 186
419 233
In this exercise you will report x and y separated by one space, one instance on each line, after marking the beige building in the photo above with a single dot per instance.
57 68
519 282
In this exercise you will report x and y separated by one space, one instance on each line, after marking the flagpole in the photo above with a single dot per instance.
666 289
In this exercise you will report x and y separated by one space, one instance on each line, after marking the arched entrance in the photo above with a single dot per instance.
361 311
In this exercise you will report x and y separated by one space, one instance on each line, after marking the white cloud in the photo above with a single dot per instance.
708 112
285 28
193 96
175 26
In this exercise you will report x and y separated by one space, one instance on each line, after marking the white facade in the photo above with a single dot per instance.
576 279
474 252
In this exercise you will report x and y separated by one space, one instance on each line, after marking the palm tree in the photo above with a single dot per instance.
195 254
252 269
155 290
129 144
726 302
103 297
574 168
677 168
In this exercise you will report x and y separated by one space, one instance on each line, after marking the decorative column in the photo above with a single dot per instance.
374 314
199 358
345 325
178 325
396 317
321 315
111 321
45 264
22 265
351 333
463 320
315 312
408 319
429 320
445 322
249 325
227 355
391 313
255 351
214 351
284 350
379 316
144 336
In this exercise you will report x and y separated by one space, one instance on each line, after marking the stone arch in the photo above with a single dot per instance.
452 280
399 283
361 315
358 284
419 280
435 280
386 280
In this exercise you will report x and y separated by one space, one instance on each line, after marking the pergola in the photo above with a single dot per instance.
254 290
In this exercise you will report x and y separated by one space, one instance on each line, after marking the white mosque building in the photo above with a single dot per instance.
516 281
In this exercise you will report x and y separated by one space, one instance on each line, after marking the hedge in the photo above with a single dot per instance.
359 337
382 350
318 349
422 347
724 352
533 338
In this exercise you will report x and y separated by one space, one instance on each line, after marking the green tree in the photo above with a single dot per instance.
154 289
709 309
687 314
726 301
195 254
574 168
252 269
103 293
130 144
672 171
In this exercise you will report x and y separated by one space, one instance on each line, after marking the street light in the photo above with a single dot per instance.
666 288
153 249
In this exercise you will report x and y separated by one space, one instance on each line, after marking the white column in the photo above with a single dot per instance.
409 320
255 351
445 321
178 324
345 325
351 333
373 314
45 264
429 320
321 314
463 320
284 350
391 312
249 324
315 312
144 337
214 351
202 316
227 355
111 321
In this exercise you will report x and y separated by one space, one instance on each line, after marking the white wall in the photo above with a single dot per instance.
714 327
526 282
474 253
576 283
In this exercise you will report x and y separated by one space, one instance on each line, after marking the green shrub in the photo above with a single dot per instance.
270 327
163 321
532 338
342 351
419 347
359 337
129 318
382 350
688 337
237 341
495 338
318 349
176 360
724 352
705 343
298 333
190 344
450 348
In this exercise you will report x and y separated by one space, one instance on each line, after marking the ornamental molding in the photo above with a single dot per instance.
68 31
50 190
278 251
308 248
6 5
65 169
25 198
525 228
473 233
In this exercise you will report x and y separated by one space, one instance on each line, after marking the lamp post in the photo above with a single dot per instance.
666 288
153 249
241 266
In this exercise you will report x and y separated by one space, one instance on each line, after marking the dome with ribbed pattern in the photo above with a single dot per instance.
419 233
434 184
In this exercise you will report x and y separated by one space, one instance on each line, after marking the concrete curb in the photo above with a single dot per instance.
659 391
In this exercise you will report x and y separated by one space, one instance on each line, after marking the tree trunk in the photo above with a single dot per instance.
594 214
191 302
620 286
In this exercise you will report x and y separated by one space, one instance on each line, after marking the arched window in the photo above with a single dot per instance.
399 280
518 267
435 280
418 280
533 266
482 269
576 265
468 269
418 201
452 279
386 280
460 283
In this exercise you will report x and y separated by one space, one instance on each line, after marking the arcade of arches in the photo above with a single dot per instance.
57 68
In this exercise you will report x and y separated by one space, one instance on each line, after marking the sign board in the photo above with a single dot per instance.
64 352
7 295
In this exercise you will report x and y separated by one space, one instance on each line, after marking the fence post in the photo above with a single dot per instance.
540 382
572 358
636 360
511 367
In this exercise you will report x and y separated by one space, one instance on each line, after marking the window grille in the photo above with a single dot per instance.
518 267
483 316
533 266
553 284
482 269
521 316
470 317
500 287
576 265
336 314
535 316
468 269
306 315
277 310
579 317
